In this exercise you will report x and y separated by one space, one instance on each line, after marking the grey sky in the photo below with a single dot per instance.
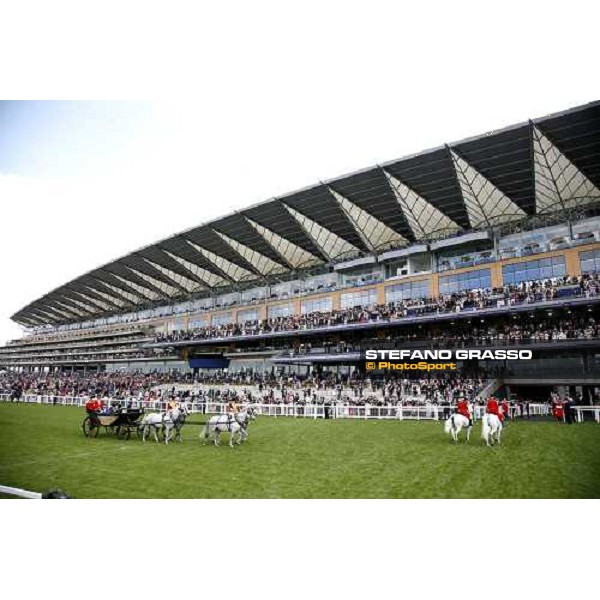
253 112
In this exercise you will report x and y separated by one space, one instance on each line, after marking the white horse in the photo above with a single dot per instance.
455 424
491 428
172 419
178 416
233 424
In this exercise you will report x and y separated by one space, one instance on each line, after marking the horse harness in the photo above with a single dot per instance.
178 422
241 423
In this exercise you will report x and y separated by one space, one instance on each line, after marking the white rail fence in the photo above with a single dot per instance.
319 411
20 493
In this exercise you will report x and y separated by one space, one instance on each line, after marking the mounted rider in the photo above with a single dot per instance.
232 409
462 408
493 408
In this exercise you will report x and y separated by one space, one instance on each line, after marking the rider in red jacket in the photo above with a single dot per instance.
462 408
492 407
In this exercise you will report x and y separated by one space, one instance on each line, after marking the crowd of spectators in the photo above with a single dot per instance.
114 385
510 295
357 388
521 329
152 390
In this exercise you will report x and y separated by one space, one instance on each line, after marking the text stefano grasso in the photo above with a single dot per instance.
448 354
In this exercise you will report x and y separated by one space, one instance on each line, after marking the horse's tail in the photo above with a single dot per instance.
448 425
485 427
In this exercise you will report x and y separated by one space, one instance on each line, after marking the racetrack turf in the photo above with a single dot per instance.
43 447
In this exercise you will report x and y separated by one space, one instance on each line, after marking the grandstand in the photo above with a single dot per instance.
494 240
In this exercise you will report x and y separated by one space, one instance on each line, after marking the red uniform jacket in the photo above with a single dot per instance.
93 405
492 408
558 412
462 408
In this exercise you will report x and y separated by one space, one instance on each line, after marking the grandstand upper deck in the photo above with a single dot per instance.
513 258
451 208
64 339
33 349
572 291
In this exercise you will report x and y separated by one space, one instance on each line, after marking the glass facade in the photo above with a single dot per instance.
222 319
590 261
320 304
247 315
471 280
362 298
178 324
403 291
280 310
198 322
532 270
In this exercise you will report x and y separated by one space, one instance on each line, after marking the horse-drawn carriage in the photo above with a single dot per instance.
121 422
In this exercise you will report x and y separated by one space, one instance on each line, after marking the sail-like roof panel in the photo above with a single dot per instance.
549 164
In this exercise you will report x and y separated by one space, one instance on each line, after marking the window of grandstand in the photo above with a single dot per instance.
280 310
472 280
396 268
253 294
324 282
203 303
590 261
403 291
198 322
222 319
178 325
227 299
544 268
161 311
178 308
318 305
247 315
362 298
584 237
362 276
461 260
281 291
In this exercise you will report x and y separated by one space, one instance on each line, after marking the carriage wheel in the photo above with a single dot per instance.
89 429
123 433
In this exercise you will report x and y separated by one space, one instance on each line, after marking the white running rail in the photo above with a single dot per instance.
424 412
13 491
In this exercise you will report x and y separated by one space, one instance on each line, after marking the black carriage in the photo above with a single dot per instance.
121 422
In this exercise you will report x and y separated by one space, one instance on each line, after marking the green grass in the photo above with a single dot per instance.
43 447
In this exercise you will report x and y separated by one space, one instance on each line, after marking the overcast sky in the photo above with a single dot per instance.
247 104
